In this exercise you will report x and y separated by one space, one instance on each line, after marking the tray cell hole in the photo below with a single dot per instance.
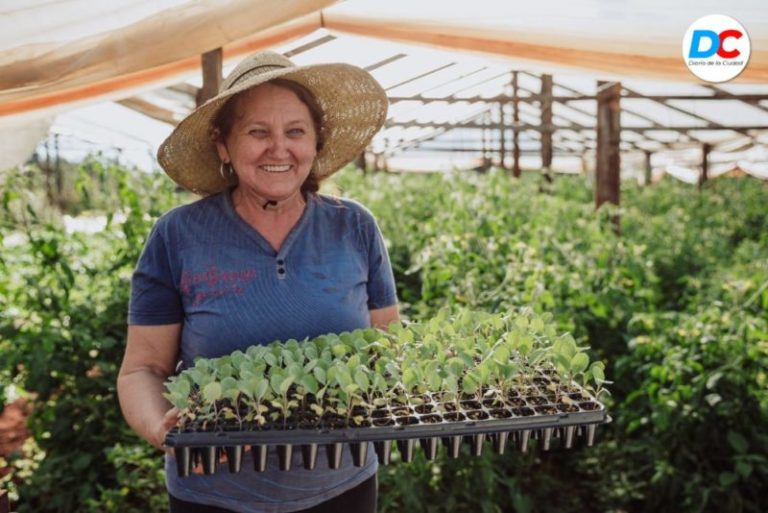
477 415
589 406
500 413
424 408
471 405
407 421
454 417
546 410
537 400
523 412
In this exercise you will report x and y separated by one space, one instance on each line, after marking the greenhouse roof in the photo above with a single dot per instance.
447 70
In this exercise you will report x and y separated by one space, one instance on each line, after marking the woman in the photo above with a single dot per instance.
262 257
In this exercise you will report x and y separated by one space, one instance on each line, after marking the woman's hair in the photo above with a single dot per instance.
225 119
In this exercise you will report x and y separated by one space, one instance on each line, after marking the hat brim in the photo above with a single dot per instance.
354 108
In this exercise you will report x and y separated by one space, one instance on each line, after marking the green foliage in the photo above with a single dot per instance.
677 304
64 303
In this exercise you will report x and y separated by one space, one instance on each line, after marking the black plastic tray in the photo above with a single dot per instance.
429 421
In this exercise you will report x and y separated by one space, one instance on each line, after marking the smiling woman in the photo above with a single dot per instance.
262 257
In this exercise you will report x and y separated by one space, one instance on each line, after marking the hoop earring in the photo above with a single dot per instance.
221 170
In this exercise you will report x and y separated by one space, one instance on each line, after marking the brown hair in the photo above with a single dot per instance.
225 119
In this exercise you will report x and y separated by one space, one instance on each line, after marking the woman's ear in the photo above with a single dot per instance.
221 148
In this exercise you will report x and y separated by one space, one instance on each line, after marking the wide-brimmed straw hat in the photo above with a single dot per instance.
354 108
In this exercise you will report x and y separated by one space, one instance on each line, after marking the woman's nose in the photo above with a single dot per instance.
278 144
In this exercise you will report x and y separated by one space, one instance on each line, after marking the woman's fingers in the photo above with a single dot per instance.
170 419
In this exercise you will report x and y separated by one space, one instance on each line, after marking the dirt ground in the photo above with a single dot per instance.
13 429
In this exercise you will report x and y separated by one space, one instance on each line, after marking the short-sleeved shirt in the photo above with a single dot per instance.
207 268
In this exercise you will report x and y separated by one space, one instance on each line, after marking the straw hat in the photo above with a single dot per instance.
354 108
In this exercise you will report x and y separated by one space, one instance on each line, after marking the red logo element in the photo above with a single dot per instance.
214 283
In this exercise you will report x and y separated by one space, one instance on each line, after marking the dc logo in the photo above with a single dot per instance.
716 48
716 44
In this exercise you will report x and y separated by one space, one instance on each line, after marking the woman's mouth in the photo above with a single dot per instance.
277 169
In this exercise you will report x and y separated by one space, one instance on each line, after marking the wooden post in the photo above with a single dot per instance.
608 139
59 173
515 132
212 63
648 168
502 136
360 162
546 122
704 176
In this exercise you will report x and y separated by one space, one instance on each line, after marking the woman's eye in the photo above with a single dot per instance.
259 132
296 131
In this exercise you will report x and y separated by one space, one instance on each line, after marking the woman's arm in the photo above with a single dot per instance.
150 357
381 317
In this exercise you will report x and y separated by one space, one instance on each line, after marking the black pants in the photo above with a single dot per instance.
360 499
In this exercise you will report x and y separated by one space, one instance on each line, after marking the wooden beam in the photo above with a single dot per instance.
648 168
704 176
574 126
309 46
212 75
384 62
546 121
150 109
608 140
422 75
502 137
515 131
442 149
749 98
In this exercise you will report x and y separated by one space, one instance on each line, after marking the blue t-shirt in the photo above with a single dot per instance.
205 267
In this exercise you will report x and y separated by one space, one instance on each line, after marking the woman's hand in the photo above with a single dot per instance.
169 420
150 357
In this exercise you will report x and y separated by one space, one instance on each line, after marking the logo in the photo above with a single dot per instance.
716 48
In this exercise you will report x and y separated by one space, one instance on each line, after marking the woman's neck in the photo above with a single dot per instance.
273 220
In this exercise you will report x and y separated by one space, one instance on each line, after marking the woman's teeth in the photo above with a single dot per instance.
277 169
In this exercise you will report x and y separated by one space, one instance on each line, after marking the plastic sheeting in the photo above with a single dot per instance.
55 56
38 72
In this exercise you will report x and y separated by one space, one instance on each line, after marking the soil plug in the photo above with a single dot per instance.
569 431
547 438
454 445
359 453
260 453
234 458
524 437
591 434
309 454
284 455
183 460
333 451
210 460
500 441
429 446
477 444
406 449
383 451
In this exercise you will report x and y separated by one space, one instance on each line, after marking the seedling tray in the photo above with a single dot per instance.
534 414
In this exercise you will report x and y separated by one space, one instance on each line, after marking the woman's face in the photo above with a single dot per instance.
272 144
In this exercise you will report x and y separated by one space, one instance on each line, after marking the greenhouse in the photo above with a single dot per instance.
565 282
